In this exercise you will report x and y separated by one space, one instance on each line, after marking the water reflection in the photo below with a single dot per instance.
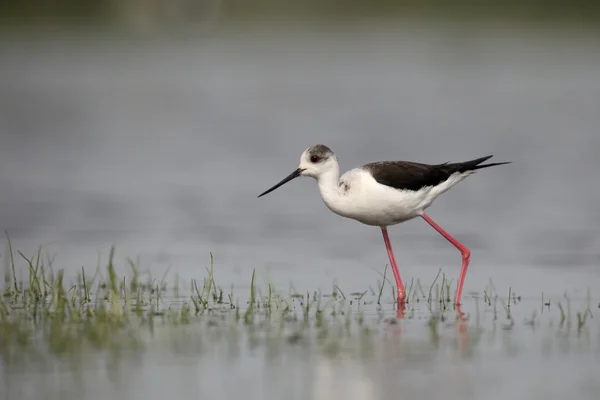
301 359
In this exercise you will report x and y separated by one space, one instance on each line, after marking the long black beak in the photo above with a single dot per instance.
288 178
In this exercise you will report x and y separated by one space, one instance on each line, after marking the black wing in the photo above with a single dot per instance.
406 175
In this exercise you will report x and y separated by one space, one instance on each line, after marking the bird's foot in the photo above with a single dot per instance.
401 297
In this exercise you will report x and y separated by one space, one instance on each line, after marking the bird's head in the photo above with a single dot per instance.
314 162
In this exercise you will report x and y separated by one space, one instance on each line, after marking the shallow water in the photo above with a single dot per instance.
162 147
531 356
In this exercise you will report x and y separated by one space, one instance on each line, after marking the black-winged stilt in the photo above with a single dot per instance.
386 193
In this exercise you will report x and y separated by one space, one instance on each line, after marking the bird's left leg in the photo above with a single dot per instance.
466 255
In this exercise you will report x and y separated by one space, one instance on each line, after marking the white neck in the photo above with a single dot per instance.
330 191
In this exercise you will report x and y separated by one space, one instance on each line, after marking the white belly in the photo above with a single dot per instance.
384 209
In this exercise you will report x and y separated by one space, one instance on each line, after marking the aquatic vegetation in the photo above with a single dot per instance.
47 314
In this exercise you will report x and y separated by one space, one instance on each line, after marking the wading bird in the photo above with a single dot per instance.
386 193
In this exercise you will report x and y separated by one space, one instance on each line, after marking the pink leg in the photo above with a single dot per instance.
466 255
399 284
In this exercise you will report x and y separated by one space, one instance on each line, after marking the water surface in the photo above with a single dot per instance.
162 147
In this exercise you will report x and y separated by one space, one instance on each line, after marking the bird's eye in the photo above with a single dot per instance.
314 159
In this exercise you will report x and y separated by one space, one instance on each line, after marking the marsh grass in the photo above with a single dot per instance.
44 312
104 310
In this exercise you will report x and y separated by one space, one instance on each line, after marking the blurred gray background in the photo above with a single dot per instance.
153 126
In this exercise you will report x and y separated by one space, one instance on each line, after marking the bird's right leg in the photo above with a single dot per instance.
399 284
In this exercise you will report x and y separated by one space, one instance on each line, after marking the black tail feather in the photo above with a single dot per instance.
492 164
476 164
